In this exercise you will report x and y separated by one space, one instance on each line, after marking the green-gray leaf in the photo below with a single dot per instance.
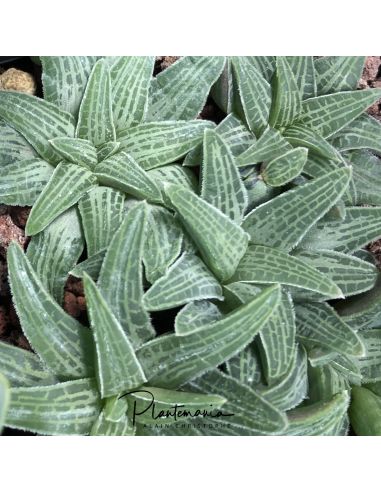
338 73
76 151
370 364
13 146
195 315
363 133
303 69
284 168
4 399
92 266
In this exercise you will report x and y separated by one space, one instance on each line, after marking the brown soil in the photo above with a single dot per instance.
371 77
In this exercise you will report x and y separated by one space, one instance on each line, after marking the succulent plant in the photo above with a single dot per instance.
261 254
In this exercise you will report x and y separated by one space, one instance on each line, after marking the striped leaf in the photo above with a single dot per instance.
102 212
37 120
107 150
359 227
370 364
22 182
68 408
318 323
338 73
366 177
264 265
163 243
363 133
251 414
350 274
4 399
186 280
180 91
195 315
22 367
304 72
130 81
221 183
325 382
234 134
283 169
300 136
278 340
269 224
286 98
13 146
318 419
246 366
329 114
165 400
222 91
104 427
221 242
117 366
121 277
255 94
95 119
269 146
265 64
171 361
76 151
291 390
174 174
92 266
157 144
122 172
66 186
365 412
63 344
64 79
54 252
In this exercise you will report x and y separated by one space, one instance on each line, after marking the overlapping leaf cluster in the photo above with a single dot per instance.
261 252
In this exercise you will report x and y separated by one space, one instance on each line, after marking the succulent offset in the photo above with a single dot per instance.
261 253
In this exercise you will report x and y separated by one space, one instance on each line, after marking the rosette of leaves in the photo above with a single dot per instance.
277 304
97 137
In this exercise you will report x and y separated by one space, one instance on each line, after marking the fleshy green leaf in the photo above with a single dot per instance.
318 419
156 144
68 408
370 364
283 169
95 119
303 69
338 73
221 242
186 280
350 274
264 265
117 366
4 399
121 277
283 221
22 367
104 427
174 174
102 212
246 366
252 413
107 150
121 171
180 91
21 182
76 151
130 81
164 239
170 361
54 252
359 227
318 323
66 186
269 146
286 98
365 412
325 382
222 91
195 315
63 344
221 183
299 135
363 133
292 388
92 266
37 120
329 114
64 79
278 340
366 177
255 94
13 146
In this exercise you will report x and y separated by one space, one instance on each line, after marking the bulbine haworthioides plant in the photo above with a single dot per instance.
261 253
